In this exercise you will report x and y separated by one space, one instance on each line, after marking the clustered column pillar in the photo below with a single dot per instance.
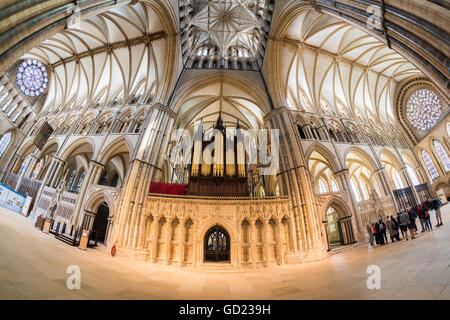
357 224
92 176
294 176
381 173
145 164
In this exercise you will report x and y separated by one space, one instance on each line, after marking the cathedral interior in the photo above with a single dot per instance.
347 99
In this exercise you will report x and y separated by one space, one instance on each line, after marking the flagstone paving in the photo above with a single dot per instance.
33 266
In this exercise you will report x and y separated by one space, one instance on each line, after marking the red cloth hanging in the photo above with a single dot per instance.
168 188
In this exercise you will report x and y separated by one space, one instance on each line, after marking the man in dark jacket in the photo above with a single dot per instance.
412 218
383 231
379 234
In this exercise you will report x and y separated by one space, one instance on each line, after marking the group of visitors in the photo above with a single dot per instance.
405 223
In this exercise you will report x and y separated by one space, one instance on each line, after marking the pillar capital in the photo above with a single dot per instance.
58 159
96 163
164 108
341 172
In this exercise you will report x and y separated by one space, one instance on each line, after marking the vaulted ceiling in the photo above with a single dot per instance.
225 24
331 67
111 56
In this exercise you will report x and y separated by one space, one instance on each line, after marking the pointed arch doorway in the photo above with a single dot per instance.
217 245
101 222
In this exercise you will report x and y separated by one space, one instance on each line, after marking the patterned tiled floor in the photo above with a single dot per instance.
33 266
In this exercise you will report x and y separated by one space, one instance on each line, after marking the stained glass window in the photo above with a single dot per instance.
37 169
24 164
429 163
32 78
4 142
423 109
442 154
364 193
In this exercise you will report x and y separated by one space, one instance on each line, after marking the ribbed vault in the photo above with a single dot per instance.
108 58
334 68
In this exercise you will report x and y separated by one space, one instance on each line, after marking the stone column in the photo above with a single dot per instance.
93 168
155 240
181 243
145 162
253 242
266 242
297 184
357 225
59 166
168 241
279 243
381 173
407 177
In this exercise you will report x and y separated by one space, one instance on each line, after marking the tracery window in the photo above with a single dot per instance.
429 163
363 187
397 180
3 97
355 190
24 164
6 105
32 78
442 154
423 109
37 169
322 186
412 175
334 186
4 142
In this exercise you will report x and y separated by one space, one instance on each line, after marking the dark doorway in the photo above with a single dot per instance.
217 244
101 222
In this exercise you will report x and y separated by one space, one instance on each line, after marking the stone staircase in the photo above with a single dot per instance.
216 267
66 239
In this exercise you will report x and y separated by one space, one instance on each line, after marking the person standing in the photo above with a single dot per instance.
370 232
437 204
397 226
383 231
392 232
405 223
426 213
412 218
374 232
421 216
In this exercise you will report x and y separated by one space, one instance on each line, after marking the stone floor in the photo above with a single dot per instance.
33 266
